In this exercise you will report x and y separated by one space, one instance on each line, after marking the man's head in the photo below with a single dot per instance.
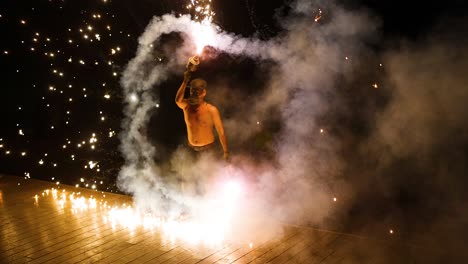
198 88
197 91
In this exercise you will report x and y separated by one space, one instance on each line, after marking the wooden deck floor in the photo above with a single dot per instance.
41 231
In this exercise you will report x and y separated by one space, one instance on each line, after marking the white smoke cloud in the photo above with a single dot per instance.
416 149
307 57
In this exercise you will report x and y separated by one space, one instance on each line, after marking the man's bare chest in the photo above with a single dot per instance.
200 116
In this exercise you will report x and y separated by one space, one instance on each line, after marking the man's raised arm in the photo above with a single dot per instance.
179 99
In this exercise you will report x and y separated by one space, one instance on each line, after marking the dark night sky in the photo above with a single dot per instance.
29 74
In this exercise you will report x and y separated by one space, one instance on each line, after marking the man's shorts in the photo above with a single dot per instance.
203 148
206 150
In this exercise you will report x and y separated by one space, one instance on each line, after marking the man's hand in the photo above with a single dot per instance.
179 98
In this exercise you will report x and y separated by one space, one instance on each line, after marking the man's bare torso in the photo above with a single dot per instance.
199 123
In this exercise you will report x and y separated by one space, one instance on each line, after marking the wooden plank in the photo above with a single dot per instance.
57 248
340 247
141 249
218 255
157 252
314 251
45 233
135 247
182 256
308 237
167 256
204 254
245 256
92 246
46 239
39 234
46 227
278 250
121 247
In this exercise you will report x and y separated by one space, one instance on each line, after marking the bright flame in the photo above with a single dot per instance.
203 32
203 35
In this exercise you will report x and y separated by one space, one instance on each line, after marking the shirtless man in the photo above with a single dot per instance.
200 116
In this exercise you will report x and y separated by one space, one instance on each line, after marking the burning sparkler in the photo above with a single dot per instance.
204 35
203 31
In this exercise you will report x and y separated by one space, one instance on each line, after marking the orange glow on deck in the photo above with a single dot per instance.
209 224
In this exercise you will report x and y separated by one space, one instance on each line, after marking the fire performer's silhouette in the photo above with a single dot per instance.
200 116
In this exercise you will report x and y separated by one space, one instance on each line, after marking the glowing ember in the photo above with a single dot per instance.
318 16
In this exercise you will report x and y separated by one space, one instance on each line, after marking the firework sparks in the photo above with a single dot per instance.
201 10
209 226
318 16
204 35
203 31
64 53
